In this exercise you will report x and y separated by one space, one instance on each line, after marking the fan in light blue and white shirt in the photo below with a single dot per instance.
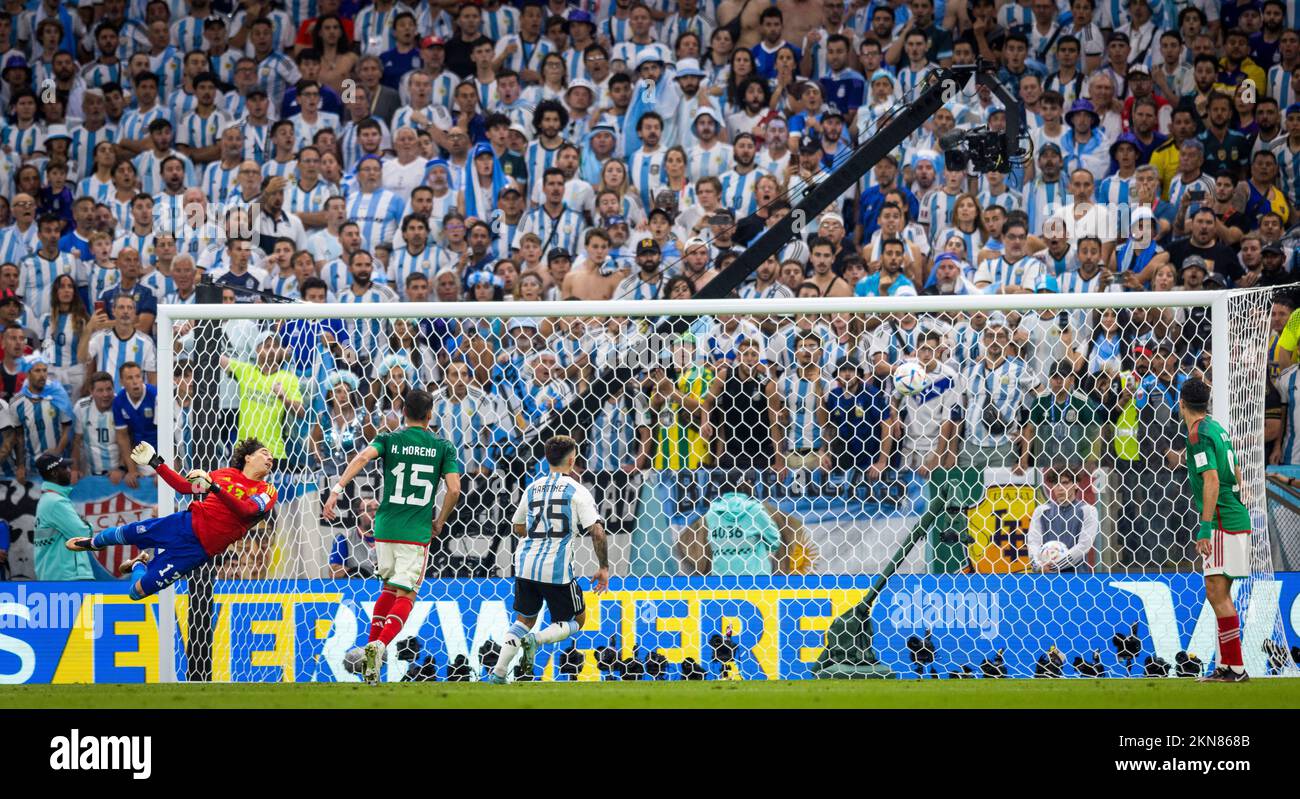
135 123
469 422
83 147
96 189
538 159
503 21
187 33
1007 200
998 273
16 244
297 200
803 398
1042 199
611 443
936 212
41 416
304 132
738 191
1117 190
564 231
219 181
36 274
142 243
1288 164
1281 86
97 435
374 28
709 156
402 263
283 30
1005 385
161 285
61 339
148 165
646 172
367 335
276 72
377 210
109 352
525 56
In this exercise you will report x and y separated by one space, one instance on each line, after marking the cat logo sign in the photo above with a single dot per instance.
999 525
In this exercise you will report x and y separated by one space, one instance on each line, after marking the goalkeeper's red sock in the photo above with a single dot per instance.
380 617
1230 641
396 619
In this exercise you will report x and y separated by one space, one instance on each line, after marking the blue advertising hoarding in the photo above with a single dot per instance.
285 630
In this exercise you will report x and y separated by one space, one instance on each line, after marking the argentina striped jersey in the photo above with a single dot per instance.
552 511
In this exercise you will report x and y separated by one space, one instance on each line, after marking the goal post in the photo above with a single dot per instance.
1006 520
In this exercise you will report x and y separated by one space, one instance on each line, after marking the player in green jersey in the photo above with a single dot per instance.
413 461
1223 538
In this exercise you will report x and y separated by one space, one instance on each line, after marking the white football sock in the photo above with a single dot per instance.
557 632
508 649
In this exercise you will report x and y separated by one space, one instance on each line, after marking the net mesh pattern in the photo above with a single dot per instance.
944 494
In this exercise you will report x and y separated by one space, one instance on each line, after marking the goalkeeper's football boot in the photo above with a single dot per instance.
84 544
527 651
1225 674
374 659
495 679
125 568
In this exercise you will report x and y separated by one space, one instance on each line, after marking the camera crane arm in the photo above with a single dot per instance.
941 86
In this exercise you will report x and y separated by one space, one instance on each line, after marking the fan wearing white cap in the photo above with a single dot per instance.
579 97
694 96
656 89
1137 260
710 155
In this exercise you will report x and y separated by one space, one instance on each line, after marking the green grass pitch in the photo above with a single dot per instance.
1067 693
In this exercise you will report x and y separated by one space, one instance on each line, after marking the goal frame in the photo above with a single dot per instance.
168 314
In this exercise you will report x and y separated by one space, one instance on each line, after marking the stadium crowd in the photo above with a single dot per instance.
335 151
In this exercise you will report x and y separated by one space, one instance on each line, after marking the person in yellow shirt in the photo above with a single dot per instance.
1182 126
678 399
266 392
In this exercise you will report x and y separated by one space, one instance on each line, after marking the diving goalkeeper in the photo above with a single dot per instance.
234 500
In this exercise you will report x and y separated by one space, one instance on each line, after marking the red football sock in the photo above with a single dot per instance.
382 608
396 618
1229 641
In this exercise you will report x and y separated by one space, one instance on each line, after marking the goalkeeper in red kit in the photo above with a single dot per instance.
234 500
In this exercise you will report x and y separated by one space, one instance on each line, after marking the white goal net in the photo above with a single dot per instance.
1016 505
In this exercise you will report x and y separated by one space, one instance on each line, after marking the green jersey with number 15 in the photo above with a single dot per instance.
1208 447
413 460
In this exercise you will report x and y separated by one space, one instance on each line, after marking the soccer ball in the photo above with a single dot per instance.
354 660
910 378
1052 552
